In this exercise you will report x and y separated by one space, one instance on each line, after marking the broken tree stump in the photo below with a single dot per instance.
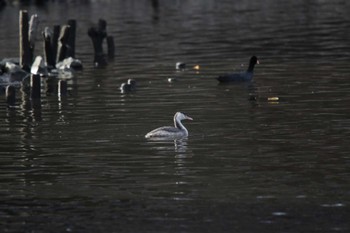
71 38
54 40
27 36
63 43
33 27
48 48
25 57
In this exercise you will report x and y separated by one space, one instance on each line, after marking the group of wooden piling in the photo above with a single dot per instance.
58 44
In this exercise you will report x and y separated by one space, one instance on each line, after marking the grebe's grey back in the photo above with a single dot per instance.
179 131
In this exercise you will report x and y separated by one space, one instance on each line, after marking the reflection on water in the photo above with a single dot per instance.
162 145
269 156
180 145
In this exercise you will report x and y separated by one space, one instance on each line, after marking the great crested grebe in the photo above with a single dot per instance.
179 131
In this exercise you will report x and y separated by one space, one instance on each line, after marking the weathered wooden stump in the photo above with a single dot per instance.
63 43
24 47
48 51
33 27
27 33
54 40
50 45
71 38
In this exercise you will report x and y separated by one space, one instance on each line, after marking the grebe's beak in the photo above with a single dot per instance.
189 118
257 62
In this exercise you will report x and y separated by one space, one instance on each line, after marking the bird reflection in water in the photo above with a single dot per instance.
180 145
165 145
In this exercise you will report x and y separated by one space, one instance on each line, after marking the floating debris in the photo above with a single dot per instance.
333 205
171 80
274 98
70 64
279 214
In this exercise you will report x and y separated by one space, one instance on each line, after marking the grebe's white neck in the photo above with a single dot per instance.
179 116
178 124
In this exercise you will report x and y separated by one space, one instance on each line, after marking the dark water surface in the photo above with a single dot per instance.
81 163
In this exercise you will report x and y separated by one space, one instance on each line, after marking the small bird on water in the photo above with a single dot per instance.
128 87
177 132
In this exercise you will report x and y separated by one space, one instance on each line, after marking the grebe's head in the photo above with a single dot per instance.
180 116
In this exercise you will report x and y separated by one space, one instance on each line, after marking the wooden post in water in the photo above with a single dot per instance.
33 26
10 96
25 57
48 51
97 36
54 40
35 86
71 38
110 47
62 44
